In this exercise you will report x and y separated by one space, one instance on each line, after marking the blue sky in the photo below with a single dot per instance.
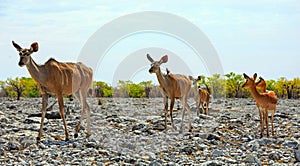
255 36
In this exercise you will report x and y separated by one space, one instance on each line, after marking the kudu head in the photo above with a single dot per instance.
25 53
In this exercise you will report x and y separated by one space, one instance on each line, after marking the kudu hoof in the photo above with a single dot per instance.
38 139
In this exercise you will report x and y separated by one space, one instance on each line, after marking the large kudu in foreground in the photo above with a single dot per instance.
56 78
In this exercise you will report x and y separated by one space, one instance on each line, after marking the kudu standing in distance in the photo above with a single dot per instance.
201 96
173 86
264 102
261 84
56 78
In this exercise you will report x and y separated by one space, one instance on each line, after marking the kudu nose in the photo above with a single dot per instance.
21 64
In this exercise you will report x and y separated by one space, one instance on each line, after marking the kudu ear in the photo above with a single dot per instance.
199 78
191 78
149 58
16 46
260 78
34 47
258 82
246 76
164 59
254 76
168 71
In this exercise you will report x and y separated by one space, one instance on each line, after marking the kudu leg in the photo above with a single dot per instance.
206 112
88 119
267 122
61 112
44 106
198 108
186 107
203 109
261 117
85 108
189 115
171 112
166 110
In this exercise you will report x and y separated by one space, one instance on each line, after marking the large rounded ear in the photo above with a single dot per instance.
199 78
260 78
164 59
254 76
34 47
246 76
16 46
191 78
149 58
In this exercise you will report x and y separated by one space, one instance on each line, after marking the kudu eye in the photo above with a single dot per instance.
20 54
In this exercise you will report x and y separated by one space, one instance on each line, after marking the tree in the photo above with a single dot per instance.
234 85
136 91
30 88
15 87
123 88
102 89
281 87
217 85
147 87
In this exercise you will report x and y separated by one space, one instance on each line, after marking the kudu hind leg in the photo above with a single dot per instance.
88 116
189 115
79 97
171 112
206 112
166 110
61 112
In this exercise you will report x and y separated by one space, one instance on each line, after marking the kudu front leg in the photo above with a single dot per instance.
267 122
261 117
186 107
44 106
166 110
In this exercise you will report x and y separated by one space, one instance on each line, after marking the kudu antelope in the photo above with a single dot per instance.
264 102
56 78
261 84
201 96
173 86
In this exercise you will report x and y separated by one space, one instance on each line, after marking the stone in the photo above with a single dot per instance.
131 132
213 137
297 154
252 158
274 156
217 152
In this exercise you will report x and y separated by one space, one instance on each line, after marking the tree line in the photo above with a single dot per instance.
229 85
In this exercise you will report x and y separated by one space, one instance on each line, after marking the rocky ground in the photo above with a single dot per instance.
131 132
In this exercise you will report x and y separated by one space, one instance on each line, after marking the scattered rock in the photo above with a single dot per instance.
132 132
251 158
